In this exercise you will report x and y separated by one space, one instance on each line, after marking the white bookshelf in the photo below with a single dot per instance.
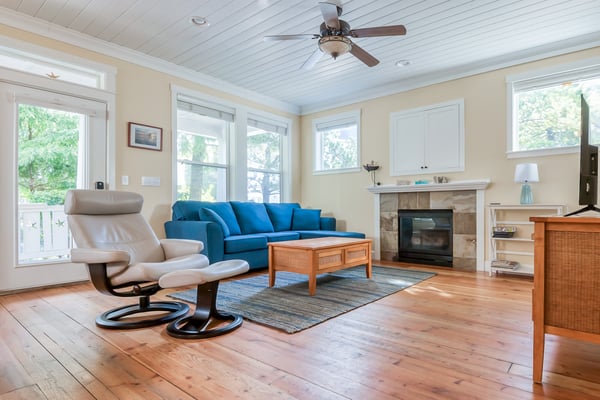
519 247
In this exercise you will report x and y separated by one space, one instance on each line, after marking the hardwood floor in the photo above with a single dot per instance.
456 336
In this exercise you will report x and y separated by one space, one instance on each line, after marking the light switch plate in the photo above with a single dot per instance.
150 181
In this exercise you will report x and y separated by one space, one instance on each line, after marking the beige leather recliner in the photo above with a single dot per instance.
125 258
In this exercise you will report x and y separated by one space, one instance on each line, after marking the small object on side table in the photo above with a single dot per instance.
503 231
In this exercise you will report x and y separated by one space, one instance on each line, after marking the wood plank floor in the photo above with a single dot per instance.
458 335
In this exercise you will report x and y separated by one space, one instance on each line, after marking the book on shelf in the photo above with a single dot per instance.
505 264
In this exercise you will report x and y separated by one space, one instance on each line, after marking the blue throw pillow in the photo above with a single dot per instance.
224 210
281 215
206 214
305 219
252 217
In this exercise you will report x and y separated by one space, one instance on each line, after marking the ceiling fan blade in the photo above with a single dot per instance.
363 56
392 30
312 60
330 14
290 37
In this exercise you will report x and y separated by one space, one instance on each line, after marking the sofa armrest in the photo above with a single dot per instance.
328 223
209 233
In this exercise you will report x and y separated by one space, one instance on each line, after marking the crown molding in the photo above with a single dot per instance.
46 29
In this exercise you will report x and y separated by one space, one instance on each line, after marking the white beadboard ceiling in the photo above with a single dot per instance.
445 39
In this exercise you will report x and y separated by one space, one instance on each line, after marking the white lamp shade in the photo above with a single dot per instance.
526 173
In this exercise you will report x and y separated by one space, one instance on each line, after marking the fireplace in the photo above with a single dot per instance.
425 236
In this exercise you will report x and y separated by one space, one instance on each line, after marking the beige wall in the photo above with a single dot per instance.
345 195
144 96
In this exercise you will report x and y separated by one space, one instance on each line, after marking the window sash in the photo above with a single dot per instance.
322 127
573 73
257 168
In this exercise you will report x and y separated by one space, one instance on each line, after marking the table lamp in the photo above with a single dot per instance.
525 173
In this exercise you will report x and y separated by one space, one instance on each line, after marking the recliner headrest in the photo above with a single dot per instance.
100 202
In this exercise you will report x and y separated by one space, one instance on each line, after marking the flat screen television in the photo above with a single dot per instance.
588 165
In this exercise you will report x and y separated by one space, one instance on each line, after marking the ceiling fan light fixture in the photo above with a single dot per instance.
335 46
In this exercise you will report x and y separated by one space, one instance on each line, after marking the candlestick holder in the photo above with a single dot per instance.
371 168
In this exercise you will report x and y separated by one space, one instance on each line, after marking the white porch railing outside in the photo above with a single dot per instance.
43 234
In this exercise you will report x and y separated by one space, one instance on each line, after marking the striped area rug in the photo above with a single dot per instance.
288 306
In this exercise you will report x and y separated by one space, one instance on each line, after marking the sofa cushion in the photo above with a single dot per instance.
304 219
252 217
226 213
281 236
240 243
206 214
189 210
281 215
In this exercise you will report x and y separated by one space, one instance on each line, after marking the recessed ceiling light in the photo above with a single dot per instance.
402 63
199 21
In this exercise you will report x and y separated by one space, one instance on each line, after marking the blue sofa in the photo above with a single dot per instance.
241 230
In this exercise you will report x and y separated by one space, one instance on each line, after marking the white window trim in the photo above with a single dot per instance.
334 120
48 55
540 78
237 186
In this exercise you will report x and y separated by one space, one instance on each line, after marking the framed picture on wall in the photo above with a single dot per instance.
145 136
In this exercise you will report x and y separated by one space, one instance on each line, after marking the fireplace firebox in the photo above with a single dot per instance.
425 236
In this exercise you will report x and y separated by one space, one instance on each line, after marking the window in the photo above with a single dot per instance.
227 151
202 147
264 145
336 143
545 110
21 56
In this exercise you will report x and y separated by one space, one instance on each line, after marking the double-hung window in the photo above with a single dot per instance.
264 141
337 143
226 151
203 132
545 109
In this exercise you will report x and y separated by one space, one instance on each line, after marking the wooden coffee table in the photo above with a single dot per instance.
318 256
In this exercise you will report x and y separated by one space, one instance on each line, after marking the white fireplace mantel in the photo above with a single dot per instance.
478 185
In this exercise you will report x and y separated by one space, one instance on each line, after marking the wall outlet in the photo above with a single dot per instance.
125 180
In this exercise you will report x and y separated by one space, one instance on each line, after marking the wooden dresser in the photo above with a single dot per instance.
566 288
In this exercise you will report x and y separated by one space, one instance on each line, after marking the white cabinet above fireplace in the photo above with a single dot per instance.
428 140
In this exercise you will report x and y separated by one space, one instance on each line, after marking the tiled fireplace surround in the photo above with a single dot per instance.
464 198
